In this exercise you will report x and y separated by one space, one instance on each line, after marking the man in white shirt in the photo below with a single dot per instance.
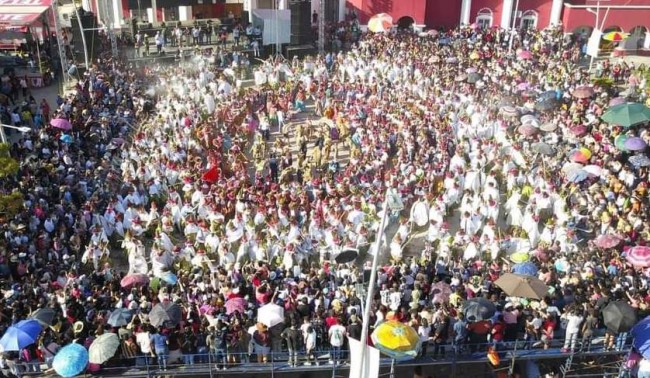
337 338
574 320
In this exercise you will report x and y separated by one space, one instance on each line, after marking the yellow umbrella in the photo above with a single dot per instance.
395 336
380 23
616 36
474 55
519 257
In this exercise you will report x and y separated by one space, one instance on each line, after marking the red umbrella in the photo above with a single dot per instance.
579 130
236 304
134 279
583 91
211 175
607 241
638 256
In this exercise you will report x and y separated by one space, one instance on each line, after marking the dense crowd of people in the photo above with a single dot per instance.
218 194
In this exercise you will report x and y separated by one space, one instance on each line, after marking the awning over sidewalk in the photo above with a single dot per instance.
21 12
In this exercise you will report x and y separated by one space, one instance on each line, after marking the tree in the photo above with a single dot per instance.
11 203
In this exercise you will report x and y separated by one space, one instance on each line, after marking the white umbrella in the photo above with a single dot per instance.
103 348
270 315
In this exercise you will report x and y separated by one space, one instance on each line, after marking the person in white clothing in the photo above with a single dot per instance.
574 321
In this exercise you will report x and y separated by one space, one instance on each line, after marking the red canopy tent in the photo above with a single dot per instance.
23 13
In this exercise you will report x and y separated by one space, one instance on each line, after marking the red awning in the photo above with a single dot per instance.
21 12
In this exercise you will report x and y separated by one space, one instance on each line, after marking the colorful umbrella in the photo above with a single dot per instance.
619 316
134 279
120 317
20 335
525 55
615 36
103 348
607 241
270 315
638 256
396 340
638 161
236 304
71 360
61 123
380 23
526 268
477 309
635 144
583 91
523 286
45 316
440 292
580 155
627 115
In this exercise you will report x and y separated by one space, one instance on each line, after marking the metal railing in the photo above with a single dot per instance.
244 363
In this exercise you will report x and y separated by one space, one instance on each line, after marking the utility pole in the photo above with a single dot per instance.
321 28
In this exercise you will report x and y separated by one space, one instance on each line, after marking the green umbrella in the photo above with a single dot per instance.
627 115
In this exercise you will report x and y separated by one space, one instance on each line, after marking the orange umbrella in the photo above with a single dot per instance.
380 23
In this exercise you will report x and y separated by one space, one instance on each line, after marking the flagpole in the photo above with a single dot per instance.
365 366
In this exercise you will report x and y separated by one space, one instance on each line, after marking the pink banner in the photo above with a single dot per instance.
26 3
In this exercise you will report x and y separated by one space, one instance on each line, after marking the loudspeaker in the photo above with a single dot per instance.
300 22
93 43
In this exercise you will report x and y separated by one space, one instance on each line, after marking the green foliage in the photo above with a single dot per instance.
8 165
604 82
11 204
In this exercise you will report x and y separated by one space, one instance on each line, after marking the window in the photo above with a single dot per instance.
529 20
484 18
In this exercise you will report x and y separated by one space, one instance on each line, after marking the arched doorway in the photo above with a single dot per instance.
606 47
405 22
636 38
484 18
583 31
528 20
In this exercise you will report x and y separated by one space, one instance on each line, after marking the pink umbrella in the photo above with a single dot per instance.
638 256
440 292
523 86
527 130
607 241
61 123
236 304
525 55
206 309
617 101
134 279
579 130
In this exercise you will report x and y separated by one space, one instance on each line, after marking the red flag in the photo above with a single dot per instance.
211 175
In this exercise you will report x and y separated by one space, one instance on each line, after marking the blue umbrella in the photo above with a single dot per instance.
71 360
20 335
526 268
120 317
639 161
65 138
562 265
641 334
169 277
577 176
